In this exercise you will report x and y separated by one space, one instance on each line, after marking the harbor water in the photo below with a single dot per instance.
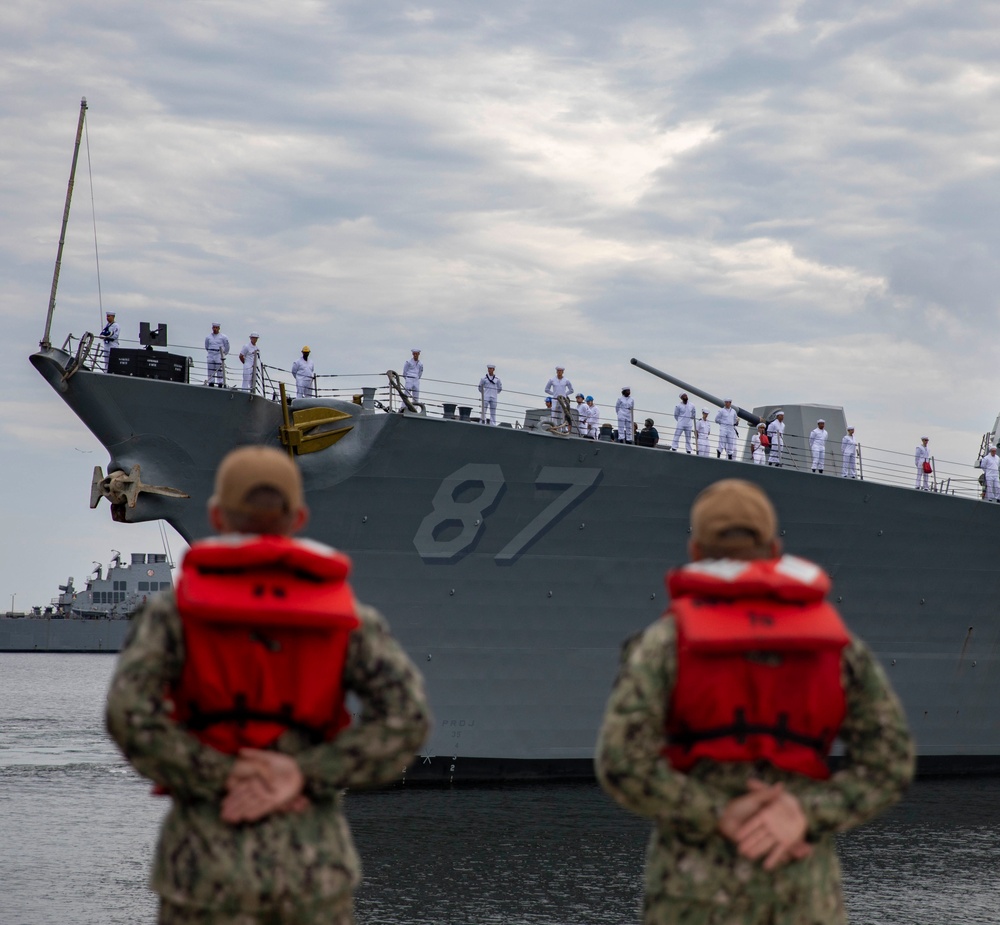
77 830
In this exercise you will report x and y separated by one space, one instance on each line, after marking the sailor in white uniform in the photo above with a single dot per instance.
555 414
217 349
250 357
593 419
849 455
109 334
582 416
726 418
921 456
490 387
776 434
305 375
684 415
559 385
703 431
413 371
758 446
990 465
625 409
817 443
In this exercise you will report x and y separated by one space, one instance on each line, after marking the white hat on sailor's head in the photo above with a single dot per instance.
215 324
491 365
563 368
851 427
626 388
779 413
993 446
414 350
254 334
727 401
704 410
820 421
109 312
925 438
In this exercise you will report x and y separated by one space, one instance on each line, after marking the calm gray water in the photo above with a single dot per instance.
77 829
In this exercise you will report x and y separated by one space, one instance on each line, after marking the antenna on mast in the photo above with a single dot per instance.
44 342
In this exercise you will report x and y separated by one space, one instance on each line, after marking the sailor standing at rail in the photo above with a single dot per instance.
582 416
305 375
684 415
759 444
593 419
776 434
217 348
817 443
490 387
413 371
726 418
922 460
250 358
556 386
849 454
990 465
703 432
625 409
109 334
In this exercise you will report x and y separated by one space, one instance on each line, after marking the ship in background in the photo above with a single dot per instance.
512 561
94 619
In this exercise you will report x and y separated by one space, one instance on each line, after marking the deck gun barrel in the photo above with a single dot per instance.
745 415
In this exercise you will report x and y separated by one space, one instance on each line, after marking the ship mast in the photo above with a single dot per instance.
44 342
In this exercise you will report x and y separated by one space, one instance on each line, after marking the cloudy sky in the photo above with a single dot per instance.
783 201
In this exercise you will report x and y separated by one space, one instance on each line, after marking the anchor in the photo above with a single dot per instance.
122 489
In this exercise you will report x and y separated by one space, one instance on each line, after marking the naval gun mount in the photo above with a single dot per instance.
800 419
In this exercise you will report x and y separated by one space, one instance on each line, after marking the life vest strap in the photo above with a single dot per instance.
740 730
240 714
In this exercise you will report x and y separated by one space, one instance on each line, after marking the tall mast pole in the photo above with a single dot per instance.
44 342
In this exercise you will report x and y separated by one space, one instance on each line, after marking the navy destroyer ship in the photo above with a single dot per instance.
94 618
512 561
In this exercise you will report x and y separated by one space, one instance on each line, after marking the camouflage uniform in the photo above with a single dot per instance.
694 876
288 867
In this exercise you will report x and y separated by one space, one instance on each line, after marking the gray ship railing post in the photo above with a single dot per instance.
44 342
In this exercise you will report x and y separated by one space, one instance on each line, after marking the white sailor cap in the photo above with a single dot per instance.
414 350
215 324
925 438
626 388
851 427
727 401
704 410
563 368
781 411
820 421
254 334
491 365
993 446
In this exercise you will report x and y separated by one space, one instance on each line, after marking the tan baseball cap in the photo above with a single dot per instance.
732 504
251 467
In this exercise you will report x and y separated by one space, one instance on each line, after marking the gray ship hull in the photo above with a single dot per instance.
512 564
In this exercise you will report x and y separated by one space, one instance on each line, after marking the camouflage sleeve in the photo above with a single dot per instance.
628 761
878 751
394 720
138 711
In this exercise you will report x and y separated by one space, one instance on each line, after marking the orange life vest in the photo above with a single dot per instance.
267 621
758 665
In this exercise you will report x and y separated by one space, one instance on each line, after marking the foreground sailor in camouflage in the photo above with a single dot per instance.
229 695
721 720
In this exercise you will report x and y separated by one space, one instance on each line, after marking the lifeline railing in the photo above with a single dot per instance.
461 401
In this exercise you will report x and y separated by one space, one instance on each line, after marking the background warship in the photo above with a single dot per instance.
94 619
